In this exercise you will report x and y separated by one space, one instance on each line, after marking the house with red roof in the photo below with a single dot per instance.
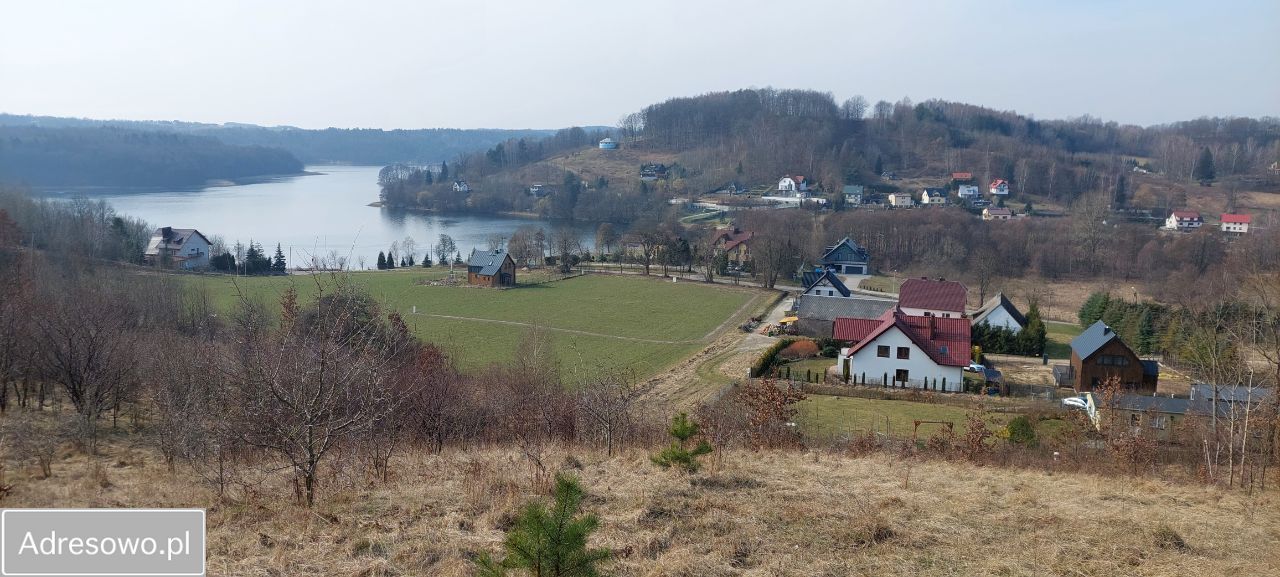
1236 223
961 176
1000 187
736 243
792 185
927 297
901 350
1184 220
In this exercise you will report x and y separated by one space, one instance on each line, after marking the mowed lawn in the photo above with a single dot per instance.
635 324
1059 335
827 416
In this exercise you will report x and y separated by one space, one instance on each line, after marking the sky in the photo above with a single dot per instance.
556 63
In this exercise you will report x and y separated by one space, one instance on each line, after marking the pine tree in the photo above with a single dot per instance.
1094 306
679 454
391 260
1204 170
444 172
550 541
1146 332
278 265
426 261
1033 338
382 261
879 165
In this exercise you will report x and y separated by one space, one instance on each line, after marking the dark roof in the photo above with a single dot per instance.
488 262
1145 403
1232 394
994 303
946 341
1092 339
814 277
169 238
860 253
1151 368
942 295
831 308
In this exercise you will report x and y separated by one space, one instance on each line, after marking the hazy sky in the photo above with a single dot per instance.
554 63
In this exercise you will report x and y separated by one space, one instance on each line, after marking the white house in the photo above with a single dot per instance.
999 312
968 191
853 194
927 297
899 350
823 282
608 144
1000 187
1184 220
996 213
1236 223
183 248
901 199
792 185
461 186
933 197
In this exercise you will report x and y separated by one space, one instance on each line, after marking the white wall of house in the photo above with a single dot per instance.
1174 223
921 370
1001 318
1240 227
932 313
968 191
195 252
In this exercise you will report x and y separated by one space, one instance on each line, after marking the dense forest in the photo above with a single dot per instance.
107 156
330 145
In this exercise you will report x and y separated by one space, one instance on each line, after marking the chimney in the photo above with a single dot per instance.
1106 330
166 232
932 322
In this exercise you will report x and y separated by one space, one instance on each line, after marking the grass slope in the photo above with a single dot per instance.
596 322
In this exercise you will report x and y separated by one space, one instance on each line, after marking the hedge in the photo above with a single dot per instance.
765 362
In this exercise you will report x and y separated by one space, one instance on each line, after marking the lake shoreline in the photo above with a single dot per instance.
418 209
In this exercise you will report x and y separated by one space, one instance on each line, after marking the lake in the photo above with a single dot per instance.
312 215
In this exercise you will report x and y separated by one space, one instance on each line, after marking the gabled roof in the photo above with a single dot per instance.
961 175
1186 215
860 252
1092 339
1237 218
946 341
997 182
814 278
489 262
828 308
1231 394
171 239
854 330
997 211
941 295
997 302
733 238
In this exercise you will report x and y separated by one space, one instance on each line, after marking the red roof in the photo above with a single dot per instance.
946 341
999 211
961 175
733 238
939 295
854 330
998 182
1186 215
1237 218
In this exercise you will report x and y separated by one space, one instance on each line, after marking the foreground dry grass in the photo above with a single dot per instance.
770 513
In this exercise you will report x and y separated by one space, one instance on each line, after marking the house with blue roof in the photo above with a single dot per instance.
491 268
846 257
1099 356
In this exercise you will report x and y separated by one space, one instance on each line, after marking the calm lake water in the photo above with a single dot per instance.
311 215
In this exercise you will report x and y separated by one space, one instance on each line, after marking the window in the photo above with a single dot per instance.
904 352
943 349
882 351
1159 421
901 375
1113 361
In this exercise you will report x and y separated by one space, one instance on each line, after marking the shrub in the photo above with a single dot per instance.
801 349
679 454
1020 431
766 359
552 541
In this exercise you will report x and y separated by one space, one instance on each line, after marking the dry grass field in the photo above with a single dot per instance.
760 513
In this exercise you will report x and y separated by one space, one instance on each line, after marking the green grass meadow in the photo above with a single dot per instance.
615 308
1058 345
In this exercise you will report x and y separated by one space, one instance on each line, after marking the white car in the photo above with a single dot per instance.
1075 403
976 368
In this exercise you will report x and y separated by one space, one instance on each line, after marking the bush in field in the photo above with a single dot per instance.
802 349
550 541
679 454
1020 431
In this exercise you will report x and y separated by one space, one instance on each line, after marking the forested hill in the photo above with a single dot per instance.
330 145
108 156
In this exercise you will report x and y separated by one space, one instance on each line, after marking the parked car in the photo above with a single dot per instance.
1075 403
976 368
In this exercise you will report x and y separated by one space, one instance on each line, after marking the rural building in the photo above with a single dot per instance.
901 199
933 197
961 176
1184 220
853 194
792 185
927 297
901 350
183 248
996 213
608 144
824 282
1236 223
491 268
1160 416
651 172
999 187
1000 312
735 243
540 190
846 257
968 191
461 186
817 313
1098 354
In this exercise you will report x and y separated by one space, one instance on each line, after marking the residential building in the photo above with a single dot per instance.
736 243
961 176
540 190
608 144
792 185
933 197
491 268
996 213
998 311
1099 355
927 297
183 248
461 186
1236 223
901 199
823 282
846 257
651 171
818 312
900 350
999 187
853 194
1159 416
968 191
1184 221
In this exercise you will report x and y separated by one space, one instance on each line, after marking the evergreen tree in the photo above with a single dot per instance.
1032 339
879 165
1204 170
426 261
391 260
550 541
1146 332
278 265
382 261
444 172
679 454
410 260
1094 306
1119 197
426 177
